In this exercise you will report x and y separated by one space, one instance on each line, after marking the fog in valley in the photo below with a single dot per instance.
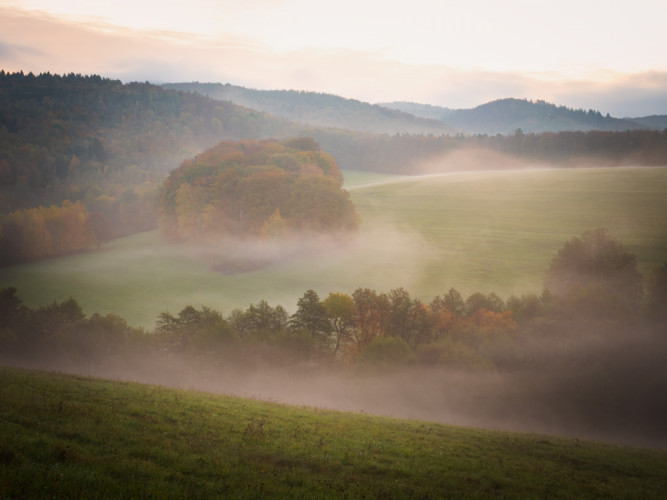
587 364
574 396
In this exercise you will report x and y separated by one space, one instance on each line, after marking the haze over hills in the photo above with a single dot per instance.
318 109
95 145
504 116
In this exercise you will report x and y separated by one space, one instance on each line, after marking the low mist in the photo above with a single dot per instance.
589 370
604 386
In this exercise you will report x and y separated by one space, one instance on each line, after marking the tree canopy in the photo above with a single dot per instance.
595 259
256 188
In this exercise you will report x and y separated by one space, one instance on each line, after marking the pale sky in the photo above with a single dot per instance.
606 55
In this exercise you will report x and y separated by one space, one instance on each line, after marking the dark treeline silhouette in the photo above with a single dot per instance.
403 153
591 346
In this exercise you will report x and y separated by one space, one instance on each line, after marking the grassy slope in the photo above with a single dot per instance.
490 231
72 437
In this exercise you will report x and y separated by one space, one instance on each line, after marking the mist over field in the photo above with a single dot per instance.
459 222
569 394
513 282
595 371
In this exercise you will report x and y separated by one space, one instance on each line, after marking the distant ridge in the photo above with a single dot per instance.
320 110
656 122
505 116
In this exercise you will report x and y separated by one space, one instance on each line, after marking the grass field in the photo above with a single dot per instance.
73 437
476 231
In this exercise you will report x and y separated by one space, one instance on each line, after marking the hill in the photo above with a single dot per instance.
80 437
476 231
504 116
76 138
317 109
82 157
656 122
271 190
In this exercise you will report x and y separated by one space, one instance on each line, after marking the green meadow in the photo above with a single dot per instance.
65 436
475 231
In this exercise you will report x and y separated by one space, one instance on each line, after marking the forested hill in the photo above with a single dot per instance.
504 116
81 157
67 134
321 110
268 189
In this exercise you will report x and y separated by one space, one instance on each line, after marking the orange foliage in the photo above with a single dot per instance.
493 323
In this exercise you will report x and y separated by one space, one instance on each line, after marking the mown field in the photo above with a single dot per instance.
476 231
72 437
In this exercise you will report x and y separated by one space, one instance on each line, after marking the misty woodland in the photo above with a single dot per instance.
587 342
219 189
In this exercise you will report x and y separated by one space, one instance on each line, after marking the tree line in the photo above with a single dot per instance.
585 353
592 289
104 146
402 153
107 145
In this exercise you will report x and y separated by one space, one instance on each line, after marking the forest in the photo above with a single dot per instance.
256 188
83 158
102 146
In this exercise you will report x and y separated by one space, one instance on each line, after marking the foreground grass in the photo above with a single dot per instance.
476 231
72 437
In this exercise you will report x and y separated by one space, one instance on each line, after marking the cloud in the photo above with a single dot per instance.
40 42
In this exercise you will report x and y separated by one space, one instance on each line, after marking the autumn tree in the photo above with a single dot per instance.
372 311
480 301
256 188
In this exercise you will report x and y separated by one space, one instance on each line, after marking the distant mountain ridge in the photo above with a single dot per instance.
505 116
320 110
502 116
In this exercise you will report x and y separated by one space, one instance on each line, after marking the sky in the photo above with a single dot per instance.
610 55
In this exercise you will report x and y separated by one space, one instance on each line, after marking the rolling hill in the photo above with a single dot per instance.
76 437
505 116
321 110
475 231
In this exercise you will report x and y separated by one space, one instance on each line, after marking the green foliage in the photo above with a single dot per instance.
259 320
44 232
311 315
340 310
194 331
